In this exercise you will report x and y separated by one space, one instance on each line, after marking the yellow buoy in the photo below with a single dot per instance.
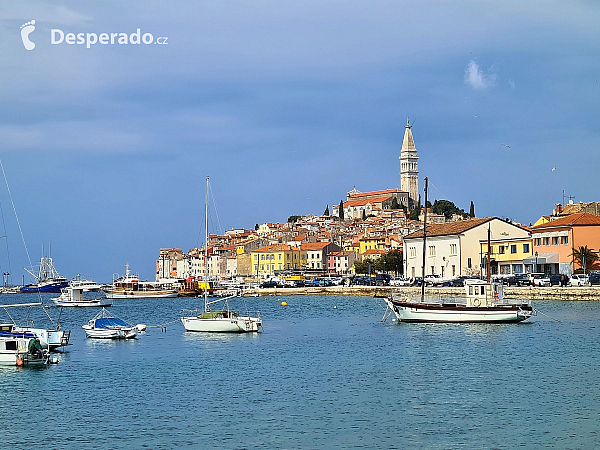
284 303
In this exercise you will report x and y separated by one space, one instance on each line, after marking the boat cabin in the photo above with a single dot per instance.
482 293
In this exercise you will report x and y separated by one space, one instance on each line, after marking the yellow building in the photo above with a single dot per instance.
507 255
370 243
275 257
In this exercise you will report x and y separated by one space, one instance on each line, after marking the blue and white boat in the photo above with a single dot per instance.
47 280
105 326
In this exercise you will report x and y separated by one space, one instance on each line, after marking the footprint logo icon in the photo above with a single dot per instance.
26 30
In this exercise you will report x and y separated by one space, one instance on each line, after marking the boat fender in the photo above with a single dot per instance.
477 302
19 361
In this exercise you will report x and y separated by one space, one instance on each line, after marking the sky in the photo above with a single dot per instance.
286 106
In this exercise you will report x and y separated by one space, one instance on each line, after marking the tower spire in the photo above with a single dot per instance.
409 171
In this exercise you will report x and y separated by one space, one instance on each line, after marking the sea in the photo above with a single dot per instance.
324 373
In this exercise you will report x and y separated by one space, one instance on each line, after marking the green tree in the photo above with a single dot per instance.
392 261
395 204
445 207
326 213
293 219
256 227
472 209
364 215
584 256
341 210
362 267
414 214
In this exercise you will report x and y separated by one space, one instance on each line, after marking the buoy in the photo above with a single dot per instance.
284 303
141 327
334 306
19 362
54 360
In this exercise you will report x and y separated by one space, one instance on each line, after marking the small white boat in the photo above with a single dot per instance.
105 326
50 338
20 351
72 296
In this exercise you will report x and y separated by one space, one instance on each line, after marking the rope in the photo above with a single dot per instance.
551 318
163 326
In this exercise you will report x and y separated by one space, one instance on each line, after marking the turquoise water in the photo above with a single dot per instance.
317 377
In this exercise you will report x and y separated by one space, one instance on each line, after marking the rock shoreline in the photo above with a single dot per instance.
528 292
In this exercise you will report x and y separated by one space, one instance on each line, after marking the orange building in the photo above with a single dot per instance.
554 241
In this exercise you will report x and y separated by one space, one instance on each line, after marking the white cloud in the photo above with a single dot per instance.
475 77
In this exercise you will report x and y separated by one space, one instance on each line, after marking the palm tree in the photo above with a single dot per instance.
584 256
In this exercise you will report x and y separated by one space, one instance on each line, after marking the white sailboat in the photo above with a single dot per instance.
223 320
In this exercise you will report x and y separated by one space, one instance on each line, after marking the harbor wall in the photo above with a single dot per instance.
525 292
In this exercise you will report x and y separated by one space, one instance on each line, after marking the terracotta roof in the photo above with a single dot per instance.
374 251
314 245
384 191
364 201
443 229
275 248
572 220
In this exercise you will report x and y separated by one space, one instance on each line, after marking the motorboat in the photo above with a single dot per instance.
222 320
129 286
74 297
22 350
86 285
484 302
105 326
47 280
50 338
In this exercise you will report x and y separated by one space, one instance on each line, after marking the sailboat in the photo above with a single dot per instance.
222 320
484 303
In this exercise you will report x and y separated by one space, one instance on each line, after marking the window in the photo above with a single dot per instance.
432 250
546 241
469 263
513 248
525 248
412 252
453 270
501 249
538 241
279 256
564 240
262 257
555 240
453 249
432 270
413 272
442 271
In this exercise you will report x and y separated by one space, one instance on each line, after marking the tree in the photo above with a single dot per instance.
326 213
445 207
364 215
391 261
584 256
414 214
472 209
341 210
395 204
256 227
363 266
293 219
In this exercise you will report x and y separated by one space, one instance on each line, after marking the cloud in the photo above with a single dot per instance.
475 77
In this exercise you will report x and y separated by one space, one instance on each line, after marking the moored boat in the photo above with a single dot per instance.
47 280
74 297
130 286
20 351
105 326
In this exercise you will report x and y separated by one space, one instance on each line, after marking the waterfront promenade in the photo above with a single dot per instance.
534 293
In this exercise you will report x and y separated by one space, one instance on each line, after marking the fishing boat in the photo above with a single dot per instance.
222 320
105 326
130 286
50 338
20 351
74 297
47 280
484 301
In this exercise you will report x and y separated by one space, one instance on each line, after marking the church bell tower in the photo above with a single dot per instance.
409 171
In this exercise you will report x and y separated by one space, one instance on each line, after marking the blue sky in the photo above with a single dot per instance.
286 106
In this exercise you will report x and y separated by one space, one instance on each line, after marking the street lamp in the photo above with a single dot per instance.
536 256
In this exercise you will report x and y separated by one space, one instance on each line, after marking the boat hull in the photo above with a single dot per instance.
15 351
457 313
139 294
81 303
49 287
110 333
222 325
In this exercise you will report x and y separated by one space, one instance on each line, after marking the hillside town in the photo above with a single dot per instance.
363 232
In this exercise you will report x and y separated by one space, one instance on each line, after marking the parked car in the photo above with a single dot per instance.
579 279
510 281
432 280
382 279
363 280
523 279
555 279
539 279
594 278
269 284
400 281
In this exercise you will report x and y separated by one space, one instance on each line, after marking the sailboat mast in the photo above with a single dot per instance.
424 244
488 255
206 249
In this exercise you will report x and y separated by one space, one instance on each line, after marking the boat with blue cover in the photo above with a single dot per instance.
105 326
